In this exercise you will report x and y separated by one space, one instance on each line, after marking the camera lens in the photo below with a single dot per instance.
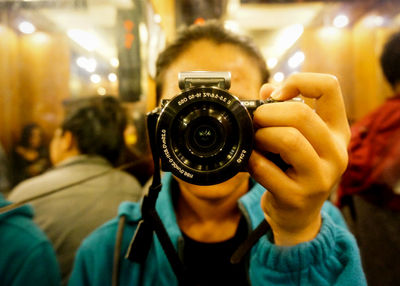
208 130
205 136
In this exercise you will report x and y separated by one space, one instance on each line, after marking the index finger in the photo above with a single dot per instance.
325 89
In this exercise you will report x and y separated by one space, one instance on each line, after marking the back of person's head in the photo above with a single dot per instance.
98 125
390 59
213 31
27 133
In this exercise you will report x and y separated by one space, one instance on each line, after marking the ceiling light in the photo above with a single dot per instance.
374 21
157 18
91 65
95 78
231 26
278 77
86 40
329 33
112 77
341 21
289 36
81 62
40 38
272 62
114 62
26 27
87 64
296 60
101 91
143 34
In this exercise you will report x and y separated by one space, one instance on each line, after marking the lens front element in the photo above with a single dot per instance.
204 136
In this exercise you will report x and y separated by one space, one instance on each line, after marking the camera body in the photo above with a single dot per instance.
204 135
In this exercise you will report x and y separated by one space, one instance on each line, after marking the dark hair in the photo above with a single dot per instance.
26 134
98 125
390 59
210 30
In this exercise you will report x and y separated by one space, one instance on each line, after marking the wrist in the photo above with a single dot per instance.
294 236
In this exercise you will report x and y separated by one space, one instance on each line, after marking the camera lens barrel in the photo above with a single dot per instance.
205 135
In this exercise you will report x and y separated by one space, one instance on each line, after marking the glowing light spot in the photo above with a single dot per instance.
341 21
26 27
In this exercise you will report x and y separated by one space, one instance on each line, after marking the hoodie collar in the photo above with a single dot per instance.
25 210
249 204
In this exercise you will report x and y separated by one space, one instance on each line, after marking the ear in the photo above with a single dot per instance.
68 141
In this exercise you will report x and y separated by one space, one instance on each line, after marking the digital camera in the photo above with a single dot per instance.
204 135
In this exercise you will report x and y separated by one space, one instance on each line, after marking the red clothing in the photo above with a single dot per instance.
374 157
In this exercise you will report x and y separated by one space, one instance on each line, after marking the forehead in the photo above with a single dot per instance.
207 56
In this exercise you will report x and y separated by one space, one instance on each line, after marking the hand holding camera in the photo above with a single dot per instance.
205 136
312 142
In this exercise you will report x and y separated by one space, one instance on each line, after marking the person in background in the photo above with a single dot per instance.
308 243
137 150
30 157
26 254
371 183
86 145
5 183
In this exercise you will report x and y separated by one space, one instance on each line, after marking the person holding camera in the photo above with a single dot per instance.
306 241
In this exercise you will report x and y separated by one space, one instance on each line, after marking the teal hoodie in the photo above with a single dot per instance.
26 255
332 258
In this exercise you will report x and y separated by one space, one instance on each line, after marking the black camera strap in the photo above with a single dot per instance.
151 222
254 236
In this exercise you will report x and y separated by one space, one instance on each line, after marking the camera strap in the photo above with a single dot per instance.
254 236
151 222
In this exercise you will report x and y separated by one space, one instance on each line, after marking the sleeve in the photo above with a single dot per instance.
332 258
39 268
80 270
93 263
334 213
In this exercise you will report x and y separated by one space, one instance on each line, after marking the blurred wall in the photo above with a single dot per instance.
370 87
166 9
9 86
352 55
34 74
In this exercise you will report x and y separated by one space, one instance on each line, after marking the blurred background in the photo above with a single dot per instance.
53 50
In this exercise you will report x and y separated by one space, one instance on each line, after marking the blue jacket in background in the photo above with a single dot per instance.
26 255
332 258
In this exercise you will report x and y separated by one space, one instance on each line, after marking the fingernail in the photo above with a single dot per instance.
276 94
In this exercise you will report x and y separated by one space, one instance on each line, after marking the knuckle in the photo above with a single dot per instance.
303 112
256 169
259 114
343 161
325 184
324 180
294 77
332 82
291 139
